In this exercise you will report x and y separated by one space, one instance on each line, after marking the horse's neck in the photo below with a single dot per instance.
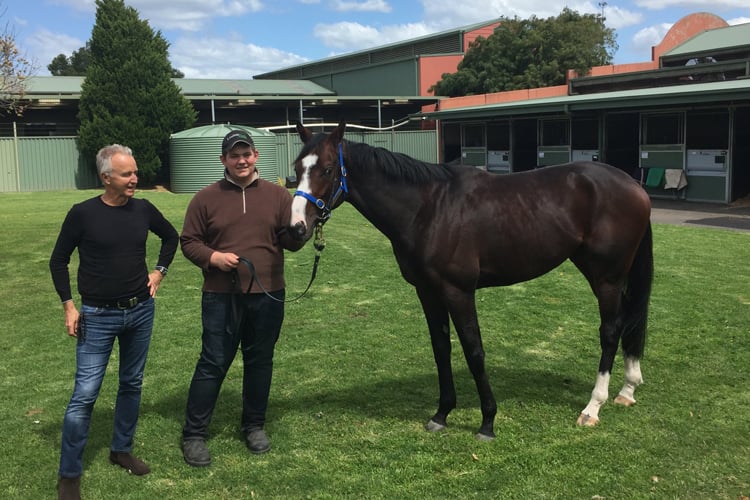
388 204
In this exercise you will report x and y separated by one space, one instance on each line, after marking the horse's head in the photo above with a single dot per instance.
321 177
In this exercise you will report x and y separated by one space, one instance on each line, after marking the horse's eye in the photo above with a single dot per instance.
327 172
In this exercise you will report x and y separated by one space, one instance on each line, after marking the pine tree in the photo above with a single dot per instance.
128 96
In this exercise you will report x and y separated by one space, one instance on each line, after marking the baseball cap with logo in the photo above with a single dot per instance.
235 137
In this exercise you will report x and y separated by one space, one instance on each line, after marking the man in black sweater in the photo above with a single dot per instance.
117 289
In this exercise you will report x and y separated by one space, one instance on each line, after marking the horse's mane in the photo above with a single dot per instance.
398 165
393 165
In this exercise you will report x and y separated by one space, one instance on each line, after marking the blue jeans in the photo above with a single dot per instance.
252 321
99 327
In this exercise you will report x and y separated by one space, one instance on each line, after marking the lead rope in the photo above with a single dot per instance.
319 243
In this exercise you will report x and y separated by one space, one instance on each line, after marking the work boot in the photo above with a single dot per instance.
128 462
196 452
257 441
69 488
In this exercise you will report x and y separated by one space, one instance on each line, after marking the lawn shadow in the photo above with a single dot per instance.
413 397
416 396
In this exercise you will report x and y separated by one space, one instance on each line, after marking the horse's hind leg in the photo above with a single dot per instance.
632 350
635 317
609 297
436 315
633 379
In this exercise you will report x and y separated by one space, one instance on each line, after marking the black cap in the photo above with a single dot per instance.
236 137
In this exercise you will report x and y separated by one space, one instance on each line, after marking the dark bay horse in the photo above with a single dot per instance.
454 229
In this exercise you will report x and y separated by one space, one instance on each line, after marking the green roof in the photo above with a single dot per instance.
195 86
54 85
70 86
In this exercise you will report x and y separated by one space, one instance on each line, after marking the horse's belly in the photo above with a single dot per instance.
507 269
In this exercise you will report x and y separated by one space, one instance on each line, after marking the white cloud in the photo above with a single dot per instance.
618 18
185 15
18 21
366 6
354 36
648 37
46 45
346 35
192 15
227 59
79 5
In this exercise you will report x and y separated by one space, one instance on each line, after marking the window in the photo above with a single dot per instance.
707 130
585 133
663 128
474 135
555 132
498 136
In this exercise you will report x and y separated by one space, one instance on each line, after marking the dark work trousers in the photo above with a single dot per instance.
252 322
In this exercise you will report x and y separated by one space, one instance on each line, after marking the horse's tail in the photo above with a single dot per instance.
636 299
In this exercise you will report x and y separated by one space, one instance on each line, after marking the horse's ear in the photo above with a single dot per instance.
304 132
338 133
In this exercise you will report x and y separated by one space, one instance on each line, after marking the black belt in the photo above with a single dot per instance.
119 304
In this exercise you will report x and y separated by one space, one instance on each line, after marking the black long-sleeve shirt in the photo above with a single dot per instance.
111 244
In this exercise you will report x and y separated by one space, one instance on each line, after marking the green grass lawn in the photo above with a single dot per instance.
355 380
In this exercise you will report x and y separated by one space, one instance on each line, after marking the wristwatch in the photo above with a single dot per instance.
162 270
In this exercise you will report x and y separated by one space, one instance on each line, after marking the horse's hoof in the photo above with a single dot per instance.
623 401
586 420
484 437
433 426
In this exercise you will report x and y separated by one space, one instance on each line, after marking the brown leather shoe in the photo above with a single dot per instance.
69 488
128 462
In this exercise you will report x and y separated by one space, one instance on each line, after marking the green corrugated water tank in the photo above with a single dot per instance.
194 156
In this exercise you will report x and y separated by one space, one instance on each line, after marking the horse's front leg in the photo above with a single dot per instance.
437 322
462 308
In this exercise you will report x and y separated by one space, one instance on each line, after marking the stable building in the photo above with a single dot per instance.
679 123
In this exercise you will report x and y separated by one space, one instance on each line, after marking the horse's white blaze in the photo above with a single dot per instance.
633 378
299 203
598 396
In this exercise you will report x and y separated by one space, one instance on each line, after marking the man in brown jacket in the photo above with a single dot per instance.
240 216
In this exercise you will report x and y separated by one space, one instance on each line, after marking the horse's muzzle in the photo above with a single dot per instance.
299 231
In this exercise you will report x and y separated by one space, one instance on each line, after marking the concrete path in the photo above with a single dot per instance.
734 217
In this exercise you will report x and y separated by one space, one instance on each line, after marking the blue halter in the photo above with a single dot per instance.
341 190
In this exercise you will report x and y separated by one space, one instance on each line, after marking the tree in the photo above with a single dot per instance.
531 53
128 96
75 65
15 69
78 62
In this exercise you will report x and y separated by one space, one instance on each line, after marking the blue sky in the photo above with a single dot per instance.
237 39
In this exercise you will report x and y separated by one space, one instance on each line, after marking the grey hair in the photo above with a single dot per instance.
104 157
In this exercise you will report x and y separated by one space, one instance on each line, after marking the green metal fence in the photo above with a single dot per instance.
43 164
54 163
